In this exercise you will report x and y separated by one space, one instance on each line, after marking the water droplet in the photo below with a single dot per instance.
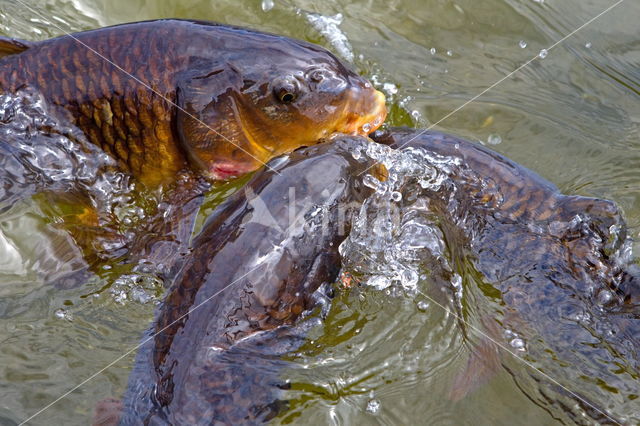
588 45
356 154
267 5
543 53
423 306
494 139
409 279
518 344
433 50
604 297
390 88
371 182
379 282
63 314
522 44
373 406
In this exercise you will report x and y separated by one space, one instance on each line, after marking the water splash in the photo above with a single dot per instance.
137 287
53 180
328 26
42 151
395 230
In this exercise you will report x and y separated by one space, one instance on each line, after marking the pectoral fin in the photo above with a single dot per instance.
12 46
483 364
206 108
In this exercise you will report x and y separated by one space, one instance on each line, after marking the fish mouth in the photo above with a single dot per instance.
224 170
369 113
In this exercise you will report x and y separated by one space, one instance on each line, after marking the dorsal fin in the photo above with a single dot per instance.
11 46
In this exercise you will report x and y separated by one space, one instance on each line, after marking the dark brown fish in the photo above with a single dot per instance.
552 261
160 95
253 268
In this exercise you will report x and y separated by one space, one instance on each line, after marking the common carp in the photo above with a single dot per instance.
254 267
556 265
159 96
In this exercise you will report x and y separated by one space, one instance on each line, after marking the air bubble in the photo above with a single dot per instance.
396 196
267 5
423 306
494 139
604 297
63 314
588 45
373 406
366 127
432 50
371 182
522 44
390 88
518 344
543 53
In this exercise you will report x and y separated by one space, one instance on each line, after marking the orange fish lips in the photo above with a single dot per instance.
366 116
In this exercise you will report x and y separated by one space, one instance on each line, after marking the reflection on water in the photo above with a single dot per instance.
573 117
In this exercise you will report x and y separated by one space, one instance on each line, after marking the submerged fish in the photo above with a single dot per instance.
160 95
253 268
556 264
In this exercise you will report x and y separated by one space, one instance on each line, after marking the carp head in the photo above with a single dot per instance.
266 95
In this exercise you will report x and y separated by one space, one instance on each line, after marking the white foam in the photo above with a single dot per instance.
328 26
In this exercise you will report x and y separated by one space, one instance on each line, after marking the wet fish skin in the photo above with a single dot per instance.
551 257
120 85
220 362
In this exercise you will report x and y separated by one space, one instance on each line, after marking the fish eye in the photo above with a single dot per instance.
287 97
286 90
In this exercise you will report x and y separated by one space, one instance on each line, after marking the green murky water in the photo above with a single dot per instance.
573 117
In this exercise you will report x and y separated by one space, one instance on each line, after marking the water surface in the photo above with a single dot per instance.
381 356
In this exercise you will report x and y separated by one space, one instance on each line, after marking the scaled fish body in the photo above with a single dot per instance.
160 95
554 261
253 268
